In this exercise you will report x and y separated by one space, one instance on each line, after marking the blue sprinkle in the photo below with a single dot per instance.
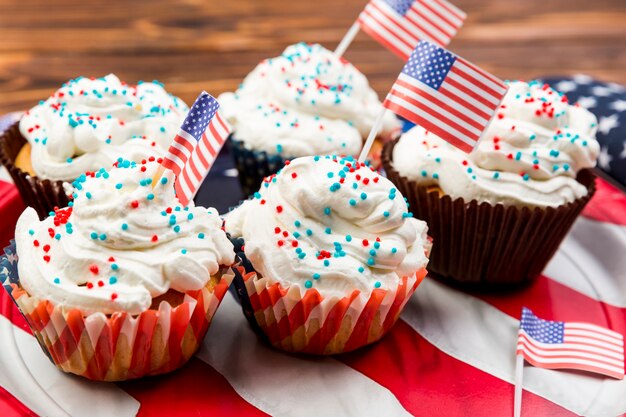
190 216
124 226
308 284
352 202
372 252
386 214
377 284
326 262
394 250
327 211
424 173
177 228
297 223
376 245
118 185
150 196
114 267
112 280
371 261
361 269
183 251
316 276
348 238
88 194
31 232
200 235
57 236
296 235
94 235
69 160
328 231
103 236
309 232
163 180
57 281
363 196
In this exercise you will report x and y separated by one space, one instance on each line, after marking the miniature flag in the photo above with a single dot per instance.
446 95
400 24
196 146
557 345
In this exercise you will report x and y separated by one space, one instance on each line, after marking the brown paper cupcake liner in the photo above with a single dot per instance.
483 245
41 194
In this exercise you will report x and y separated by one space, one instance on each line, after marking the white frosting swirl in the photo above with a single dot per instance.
330 224
89 122
120 244
530 154
305 102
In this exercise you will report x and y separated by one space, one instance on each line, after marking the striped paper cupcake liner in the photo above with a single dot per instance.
118 346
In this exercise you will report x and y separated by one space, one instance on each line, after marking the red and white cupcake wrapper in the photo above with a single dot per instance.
121 346
310 323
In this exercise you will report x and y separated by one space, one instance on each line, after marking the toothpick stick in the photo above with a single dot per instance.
347 39
370 139
517 400
157 175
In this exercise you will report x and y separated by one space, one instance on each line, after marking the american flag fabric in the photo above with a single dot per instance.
608 102
450 354
400 24
195 147
446 95
570 345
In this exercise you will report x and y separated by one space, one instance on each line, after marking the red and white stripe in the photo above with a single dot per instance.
585 347
190 176
179 152
458 112
436 21
449 345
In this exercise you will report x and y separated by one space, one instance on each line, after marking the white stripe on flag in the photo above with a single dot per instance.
540 359
460 136
610 334
455 323
385 34
284 385
439 109
419 9
447 86
425 25
581 262
388 17
554 348
28 375
498 87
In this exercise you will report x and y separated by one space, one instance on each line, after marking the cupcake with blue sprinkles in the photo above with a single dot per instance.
304 102
498 214
330 255
83 126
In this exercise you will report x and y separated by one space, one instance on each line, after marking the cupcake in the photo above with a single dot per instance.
305 102
86 125
498 215
330 255
122 283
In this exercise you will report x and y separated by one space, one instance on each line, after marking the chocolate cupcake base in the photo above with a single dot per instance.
482 245
42 195
253 166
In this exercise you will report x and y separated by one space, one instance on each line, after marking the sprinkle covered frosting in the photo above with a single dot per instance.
120 243
305 102
530 154
89 122
332 224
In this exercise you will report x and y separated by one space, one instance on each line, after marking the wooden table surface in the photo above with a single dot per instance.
192 45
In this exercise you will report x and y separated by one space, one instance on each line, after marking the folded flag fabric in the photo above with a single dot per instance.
195 147
570 345
400 24
608 102
446 95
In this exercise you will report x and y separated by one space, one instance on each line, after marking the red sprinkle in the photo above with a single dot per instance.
100 284
155 238
89 285
279 209
111 259
94 269
277 230
294 243
46 248
113 297
280 243
134 204
35 243
46 258
294 175
365 242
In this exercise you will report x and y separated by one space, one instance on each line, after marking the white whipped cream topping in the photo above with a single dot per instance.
530 154
89 122
121 244
305 102
330 224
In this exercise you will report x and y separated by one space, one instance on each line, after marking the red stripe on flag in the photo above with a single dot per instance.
465 90
390 30
414 370
184 142
475 81
428 125
573 353
204 143
438 13
424 17
552 300
491 77
397 25
437 39
12 407
452 10
195 390
607 205
464 103
194 169
374 34
439 117
455 112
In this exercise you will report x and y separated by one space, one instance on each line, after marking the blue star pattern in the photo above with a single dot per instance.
400 6
200 115
429 64
608 102
543 331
